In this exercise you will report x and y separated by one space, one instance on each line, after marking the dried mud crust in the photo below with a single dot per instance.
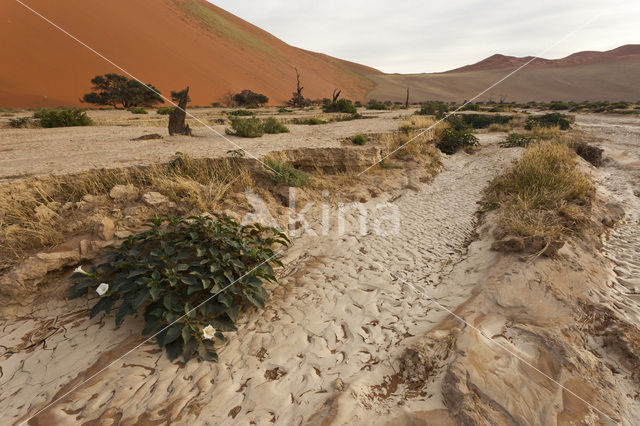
337 324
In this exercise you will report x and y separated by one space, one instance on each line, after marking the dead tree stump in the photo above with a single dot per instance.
177 125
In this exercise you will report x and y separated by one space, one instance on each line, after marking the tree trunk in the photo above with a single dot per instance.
406 103
177 117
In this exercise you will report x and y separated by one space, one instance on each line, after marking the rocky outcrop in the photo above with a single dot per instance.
124 193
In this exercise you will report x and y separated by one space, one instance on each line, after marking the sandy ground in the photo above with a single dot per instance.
328 344
336 318
72 149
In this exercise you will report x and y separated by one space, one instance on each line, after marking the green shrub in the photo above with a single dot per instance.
548 120
517 140
241 113
452 140
283 110
470 107
377 105
137 110
246 127
311 121
185 274
250 99
482 121
342 105
272 126
282 172
164 110
438 109
359 139
62 117
557 106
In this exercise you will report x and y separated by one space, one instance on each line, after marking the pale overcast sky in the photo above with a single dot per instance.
413 36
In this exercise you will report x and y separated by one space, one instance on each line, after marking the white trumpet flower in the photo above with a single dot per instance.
102 289
79 270
209 332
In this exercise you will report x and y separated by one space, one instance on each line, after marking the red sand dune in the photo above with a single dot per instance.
169 43
590 57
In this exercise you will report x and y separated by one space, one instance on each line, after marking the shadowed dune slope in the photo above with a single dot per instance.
169 43
612 75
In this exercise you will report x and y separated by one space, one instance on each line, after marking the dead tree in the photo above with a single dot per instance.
177 125
297 100
406 103
335 96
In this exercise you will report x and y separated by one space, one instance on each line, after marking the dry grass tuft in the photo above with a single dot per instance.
200 183
543 195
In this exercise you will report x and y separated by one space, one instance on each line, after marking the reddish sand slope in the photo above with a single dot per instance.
590 57
612 76
169 43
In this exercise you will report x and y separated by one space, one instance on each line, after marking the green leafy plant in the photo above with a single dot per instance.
246 127
548 120
273 126
137 110
282 172
62 117
482 121
22 122
190 276
452 140
359 139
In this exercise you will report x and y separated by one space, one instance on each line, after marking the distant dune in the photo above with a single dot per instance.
174 43
612 75
169 43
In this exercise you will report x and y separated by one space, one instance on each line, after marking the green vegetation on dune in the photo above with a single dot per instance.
213 22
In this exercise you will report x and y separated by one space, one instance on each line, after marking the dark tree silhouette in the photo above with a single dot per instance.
114 89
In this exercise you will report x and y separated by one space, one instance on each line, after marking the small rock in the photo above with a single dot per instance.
124 193
88 198
154 198
614 213
122 234
105 228
339 385
67 206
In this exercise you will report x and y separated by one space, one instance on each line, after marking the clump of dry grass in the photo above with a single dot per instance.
199 183
416 122
422 148
495 127
544 194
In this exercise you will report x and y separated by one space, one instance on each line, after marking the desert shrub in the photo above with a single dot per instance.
348 117
241 113
341 105
359 139
282 172
164 110
283 110
61 117
114 89
246 127
452 140
591 153
548 120
311 121
482 121
250 99
516 140
23 122
557 106
375 105
499 127
272 126
470 107
438 109
137 110
185 274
